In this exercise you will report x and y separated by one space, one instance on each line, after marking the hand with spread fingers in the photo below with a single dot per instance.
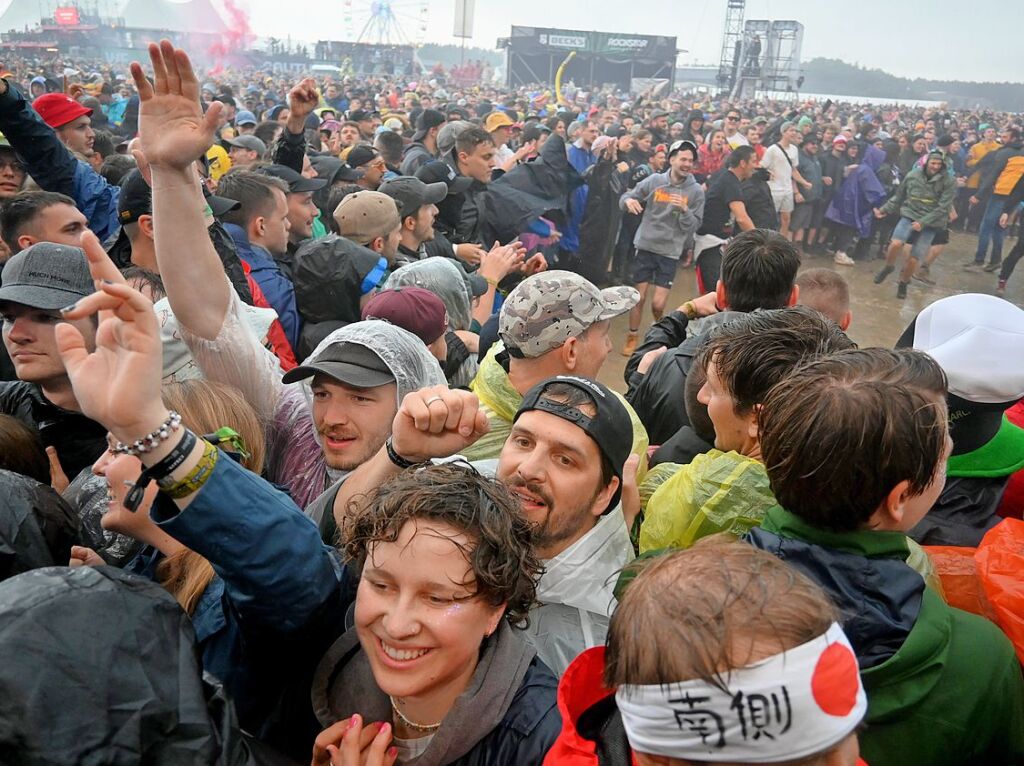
173 130
118 384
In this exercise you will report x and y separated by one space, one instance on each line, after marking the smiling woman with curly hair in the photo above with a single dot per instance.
435 664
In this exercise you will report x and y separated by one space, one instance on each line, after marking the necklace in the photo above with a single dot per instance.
412 725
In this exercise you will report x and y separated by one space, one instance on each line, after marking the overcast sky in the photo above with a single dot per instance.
938 39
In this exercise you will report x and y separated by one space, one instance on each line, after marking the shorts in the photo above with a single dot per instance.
920 240
803 213
650 267
783 201
942 238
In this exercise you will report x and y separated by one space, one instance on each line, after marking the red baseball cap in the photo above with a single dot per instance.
58 109
414 309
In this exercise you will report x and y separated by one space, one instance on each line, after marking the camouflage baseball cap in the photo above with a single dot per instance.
547 309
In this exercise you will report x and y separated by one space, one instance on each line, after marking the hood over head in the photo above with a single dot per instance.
132 692
873 157
404 354
443 278
37 526
331 274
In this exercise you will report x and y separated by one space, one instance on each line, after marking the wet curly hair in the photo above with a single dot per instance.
501 549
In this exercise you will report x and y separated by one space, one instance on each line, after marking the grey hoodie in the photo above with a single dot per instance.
665 229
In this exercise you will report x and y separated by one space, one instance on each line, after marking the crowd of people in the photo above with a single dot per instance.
324 472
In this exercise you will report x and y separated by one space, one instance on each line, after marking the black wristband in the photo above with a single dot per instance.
174 458
395 458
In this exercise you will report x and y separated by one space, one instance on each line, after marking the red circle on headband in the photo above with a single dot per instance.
836 680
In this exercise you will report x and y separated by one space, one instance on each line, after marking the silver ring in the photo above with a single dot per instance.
433 399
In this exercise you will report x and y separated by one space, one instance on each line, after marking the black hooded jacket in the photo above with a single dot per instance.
37 527
107 673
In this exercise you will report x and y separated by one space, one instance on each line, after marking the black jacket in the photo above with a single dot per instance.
757 197
657 397
964 512
79 441
131 689
37 526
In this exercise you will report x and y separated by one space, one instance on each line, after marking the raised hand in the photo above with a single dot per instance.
501 260
303 98
437 422
118 384
173 130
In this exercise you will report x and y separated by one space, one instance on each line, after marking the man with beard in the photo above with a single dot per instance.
417 209
568 461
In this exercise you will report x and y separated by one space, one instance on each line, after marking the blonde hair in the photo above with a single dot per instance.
698 612
206 406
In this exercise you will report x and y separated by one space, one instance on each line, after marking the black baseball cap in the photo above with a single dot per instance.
333 170
361 115
616 131
438 171
361 154
610 428
350 363
429 118
297 182
534 132
410 194
221 205
135 199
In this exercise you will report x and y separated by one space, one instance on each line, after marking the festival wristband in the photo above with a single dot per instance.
786 707
197 477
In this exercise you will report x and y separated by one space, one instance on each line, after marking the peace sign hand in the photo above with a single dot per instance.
117 384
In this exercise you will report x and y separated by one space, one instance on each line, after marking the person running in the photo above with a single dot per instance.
923 202
672 205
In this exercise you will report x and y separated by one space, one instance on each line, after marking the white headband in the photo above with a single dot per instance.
792 705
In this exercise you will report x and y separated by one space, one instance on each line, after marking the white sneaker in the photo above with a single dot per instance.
843 259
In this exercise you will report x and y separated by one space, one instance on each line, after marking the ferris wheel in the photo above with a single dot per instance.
386 22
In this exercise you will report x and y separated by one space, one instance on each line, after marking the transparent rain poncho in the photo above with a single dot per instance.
447 281
443 278
294 457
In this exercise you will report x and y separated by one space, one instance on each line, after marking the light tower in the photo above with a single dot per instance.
732 45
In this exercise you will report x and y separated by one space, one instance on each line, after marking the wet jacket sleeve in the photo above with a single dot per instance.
668 331
1015 198
988 181
290 150
277 572
55 168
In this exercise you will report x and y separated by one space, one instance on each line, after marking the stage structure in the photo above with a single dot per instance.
535 53
367 58
759 55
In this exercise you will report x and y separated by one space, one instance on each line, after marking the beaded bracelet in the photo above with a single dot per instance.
152 440
160 472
